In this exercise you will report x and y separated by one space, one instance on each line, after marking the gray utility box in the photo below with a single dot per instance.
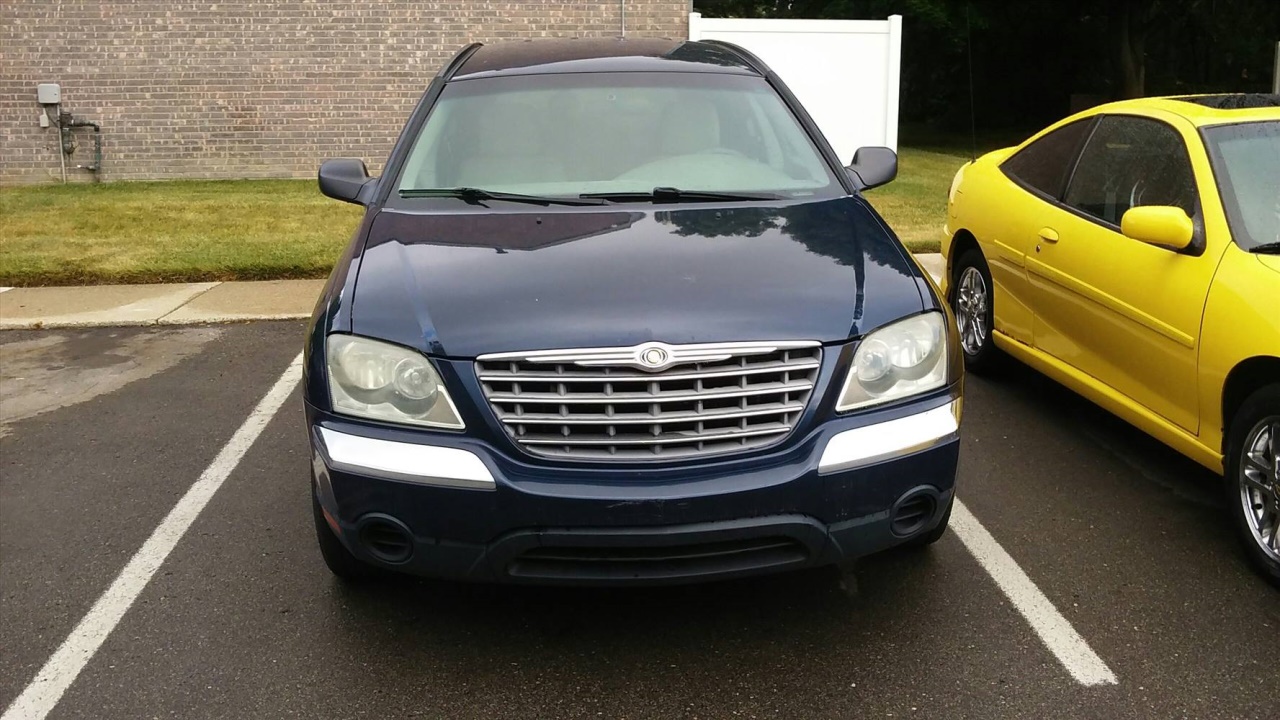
49 94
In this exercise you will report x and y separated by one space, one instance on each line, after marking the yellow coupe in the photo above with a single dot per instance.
1132 253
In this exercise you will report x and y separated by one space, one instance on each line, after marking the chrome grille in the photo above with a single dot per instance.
604 404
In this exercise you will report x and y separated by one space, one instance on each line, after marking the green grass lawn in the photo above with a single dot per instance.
184 231
170 231
915 203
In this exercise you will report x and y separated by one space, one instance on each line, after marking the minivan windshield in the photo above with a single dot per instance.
1246 160
615 134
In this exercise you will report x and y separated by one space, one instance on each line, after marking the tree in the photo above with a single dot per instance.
1129 22
1034 59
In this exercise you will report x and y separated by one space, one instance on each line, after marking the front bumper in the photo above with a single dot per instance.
461 508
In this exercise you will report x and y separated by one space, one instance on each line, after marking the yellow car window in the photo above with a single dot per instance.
1042 166
1128 162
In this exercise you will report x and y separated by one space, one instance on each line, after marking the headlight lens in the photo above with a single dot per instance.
382 381
906 358
955 184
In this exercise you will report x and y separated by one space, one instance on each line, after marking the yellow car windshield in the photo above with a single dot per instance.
1246 160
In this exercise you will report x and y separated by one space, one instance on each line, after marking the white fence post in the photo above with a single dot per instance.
892 84
845 72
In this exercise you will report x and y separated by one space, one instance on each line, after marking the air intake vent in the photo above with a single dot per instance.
652 401
913 514
385 539
658 563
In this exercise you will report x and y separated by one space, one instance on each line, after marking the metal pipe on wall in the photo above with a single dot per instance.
622 11
97 144
62 157
66 123
1275 74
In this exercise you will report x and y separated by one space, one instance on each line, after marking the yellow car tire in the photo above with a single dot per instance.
972 299
1253 479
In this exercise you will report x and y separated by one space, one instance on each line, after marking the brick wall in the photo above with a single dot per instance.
253 88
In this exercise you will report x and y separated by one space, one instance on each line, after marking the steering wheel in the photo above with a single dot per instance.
1135 195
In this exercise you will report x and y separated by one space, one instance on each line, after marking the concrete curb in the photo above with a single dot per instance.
185 303
932 263
160 304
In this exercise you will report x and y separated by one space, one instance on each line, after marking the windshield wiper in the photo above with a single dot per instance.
475 195
1271 248
670 194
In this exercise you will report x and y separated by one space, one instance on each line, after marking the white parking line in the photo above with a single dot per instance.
40 697
1054 630
66 663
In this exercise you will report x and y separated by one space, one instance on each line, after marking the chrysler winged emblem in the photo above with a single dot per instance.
652 356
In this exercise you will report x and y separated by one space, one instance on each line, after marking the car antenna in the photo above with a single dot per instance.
973 113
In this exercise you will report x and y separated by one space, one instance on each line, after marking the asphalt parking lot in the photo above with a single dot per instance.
1106 583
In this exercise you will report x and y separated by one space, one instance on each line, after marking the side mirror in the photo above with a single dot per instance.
346 179
1160 225
873 167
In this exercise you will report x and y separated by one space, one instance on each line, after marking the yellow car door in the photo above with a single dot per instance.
1120 310
1041 169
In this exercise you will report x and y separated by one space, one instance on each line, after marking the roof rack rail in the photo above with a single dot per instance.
743 54
456 63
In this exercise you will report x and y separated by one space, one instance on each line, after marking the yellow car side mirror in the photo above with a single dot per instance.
1161 225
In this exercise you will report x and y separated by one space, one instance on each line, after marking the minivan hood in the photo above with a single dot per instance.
510 278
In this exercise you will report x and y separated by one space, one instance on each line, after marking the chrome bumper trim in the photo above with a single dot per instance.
890 439
424 464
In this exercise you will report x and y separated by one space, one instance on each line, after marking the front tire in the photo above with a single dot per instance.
336 556
972 301
1253 479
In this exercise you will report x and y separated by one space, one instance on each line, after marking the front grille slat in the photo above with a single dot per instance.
732 398
657 437
612 417
667 396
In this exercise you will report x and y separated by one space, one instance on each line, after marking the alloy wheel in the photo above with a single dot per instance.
971 310
1260 484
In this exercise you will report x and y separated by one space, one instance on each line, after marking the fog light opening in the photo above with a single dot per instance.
913 512
385 538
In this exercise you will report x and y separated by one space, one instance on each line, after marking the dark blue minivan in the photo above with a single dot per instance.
617 314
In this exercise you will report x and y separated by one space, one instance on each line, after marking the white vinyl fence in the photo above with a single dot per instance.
844 72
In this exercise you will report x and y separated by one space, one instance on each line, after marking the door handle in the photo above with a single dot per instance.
1049 235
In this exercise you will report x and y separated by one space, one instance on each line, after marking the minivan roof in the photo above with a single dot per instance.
586 55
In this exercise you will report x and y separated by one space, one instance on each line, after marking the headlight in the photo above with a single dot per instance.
906 358
381 381
955 184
